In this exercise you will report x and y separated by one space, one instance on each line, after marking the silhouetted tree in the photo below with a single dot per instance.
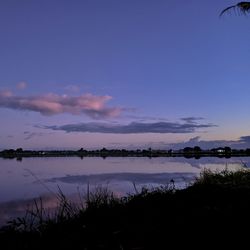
241 8
19 150
228 150
197 149
188 150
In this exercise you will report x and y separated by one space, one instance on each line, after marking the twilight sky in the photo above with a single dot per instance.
123 73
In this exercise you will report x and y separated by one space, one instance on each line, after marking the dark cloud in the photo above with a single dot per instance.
52 104
144 118
132 128
138 178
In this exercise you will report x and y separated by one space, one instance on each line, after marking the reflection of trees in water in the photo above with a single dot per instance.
214 162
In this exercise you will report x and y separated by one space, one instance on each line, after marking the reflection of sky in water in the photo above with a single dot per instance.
26 179
33 177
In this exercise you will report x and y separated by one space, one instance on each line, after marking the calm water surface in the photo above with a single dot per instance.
22 181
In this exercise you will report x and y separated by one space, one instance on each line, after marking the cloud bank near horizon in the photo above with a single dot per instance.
131 128
242 143
52 104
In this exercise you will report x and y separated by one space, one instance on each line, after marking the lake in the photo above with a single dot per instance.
22 181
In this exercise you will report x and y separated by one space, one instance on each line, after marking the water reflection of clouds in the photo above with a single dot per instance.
121 184
138 178
17 208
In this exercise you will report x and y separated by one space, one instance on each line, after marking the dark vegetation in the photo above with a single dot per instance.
213 212
239 8
188 152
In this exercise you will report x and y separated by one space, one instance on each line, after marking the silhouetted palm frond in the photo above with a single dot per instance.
241 7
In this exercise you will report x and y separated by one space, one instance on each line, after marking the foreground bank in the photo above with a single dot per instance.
215 209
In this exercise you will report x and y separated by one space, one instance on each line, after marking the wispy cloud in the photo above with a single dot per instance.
31 135
132 128
52 104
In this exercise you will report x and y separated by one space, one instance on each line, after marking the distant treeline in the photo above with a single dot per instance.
188 152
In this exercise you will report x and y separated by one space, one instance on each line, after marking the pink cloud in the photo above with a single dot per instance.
52 104
21 85
72 88
5 93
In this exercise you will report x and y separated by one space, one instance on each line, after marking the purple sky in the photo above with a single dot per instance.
123 73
